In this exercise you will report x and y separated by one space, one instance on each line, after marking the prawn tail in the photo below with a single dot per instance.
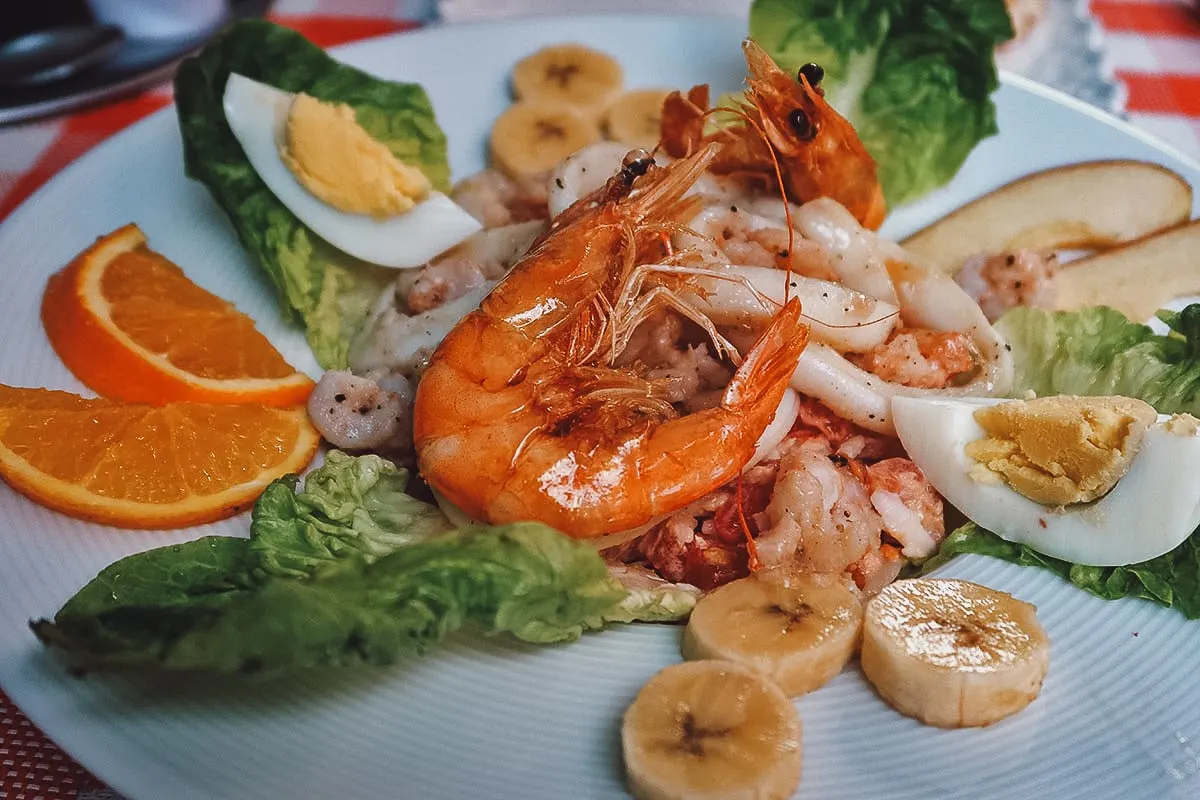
767 368
682 127
660 197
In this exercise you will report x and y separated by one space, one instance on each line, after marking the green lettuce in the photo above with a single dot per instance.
329 292
350 504
346 570
1172 580
915 77
1097 351
667 603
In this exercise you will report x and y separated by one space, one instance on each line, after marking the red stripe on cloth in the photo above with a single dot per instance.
80 133
328 31
1173 94
1169 20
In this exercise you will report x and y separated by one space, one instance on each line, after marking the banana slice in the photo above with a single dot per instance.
797 629
569 75
953 653
529 139
711 729
635 118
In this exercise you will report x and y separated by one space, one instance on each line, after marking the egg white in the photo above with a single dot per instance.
257 115
1149 512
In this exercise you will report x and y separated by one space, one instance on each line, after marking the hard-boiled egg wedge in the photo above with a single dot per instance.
258 116
1150 510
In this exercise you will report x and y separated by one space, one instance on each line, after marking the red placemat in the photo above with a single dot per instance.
31 766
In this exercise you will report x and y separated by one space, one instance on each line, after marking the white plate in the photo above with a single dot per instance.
493 718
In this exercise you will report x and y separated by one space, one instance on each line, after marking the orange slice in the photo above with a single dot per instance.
131 326
144 466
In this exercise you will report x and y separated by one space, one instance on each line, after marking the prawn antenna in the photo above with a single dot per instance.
787 211
875 321
751 547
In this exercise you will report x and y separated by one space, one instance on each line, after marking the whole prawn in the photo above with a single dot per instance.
522 415
819 154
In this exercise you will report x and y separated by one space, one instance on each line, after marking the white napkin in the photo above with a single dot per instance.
474 10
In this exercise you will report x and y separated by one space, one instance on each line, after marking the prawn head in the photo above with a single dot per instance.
820 151
787 134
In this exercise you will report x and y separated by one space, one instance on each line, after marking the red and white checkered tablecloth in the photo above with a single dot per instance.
1152 46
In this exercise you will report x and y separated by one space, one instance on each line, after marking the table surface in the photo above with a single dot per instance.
1141 59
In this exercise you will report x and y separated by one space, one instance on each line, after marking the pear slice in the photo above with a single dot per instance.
1137 278
1093 205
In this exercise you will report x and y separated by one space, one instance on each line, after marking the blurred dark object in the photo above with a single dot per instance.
54 54
136 64
25 16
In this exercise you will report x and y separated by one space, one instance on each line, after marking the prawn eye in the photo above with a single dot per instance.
636 163
802 124
813 73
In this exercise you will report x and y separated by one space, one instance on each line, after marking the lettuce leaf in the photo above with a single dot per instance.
525 579
1097 351
915 77
666 603
1172 580
328 291
346 570
349 505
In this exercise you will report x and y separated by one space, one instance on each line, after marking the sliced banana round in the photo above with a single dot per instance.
571 75
711 729
635 118
953 653
529 139
797 629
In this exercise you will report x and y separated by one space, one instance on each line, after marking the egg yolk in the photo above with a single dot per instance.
1060 450
332 157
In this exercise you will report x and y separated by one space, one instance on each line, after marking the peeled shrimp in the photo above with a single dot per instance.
361 412
401 338
521 415
908 505
922 358
692 376
1006 280
811 503
497 200
820 515
404 342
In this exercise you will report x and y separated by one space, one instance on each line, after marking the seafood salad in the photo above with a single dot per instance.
654 363
655 349
686 358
